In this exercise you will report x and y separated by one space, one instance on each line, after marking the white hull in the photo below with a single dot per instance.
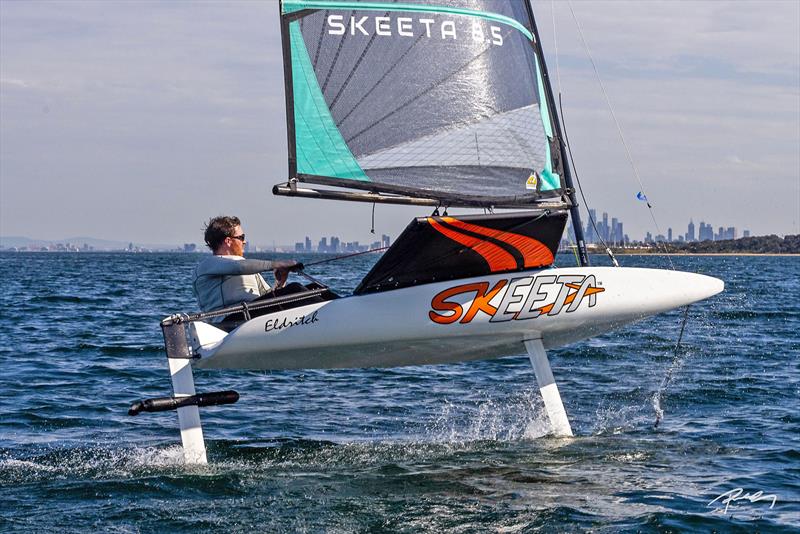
443 322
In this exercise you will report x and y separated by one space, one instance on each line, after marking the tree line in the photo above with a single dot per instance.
765 244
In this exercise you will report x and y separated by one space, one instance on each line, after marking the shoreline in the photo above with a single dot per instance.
706 254
565 252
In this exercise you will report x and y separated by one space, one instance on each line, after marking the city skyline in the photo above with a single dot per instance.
337 245
705 232
599 230
89 244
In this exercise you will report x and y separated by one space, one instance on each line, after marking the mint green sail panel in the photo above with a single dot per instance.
437 99
321 150
550 181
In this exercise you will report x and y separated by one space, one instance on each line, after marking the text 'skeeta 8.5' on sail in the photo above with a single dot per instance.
443 104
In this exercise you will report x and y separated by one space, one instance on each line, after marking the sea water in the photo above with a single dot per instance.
461 448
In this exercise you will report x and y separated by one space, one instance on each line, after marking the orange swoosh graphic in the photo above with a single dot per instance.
589 291
534 252
497 258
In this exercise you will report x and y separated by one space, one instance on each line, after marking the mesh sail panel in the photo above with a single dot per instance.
434 98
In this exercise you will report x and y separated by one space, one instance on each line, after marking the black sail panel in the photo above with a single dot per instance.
436 249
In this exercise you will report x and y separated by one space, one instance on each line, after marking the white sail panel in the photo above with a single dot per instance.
512 139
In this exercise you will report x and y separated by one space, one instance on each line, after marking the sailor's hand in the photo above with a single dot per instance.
286 265
298 266
280 277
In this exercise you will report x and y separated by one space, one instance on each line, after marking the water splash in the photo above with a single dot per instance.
617 419
521 416
90 462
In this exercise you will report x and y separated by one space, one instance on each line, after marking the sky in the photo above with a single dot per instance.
137 121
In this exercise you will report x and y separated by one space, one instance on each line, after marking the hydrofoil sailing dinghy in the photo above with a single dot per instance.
437 103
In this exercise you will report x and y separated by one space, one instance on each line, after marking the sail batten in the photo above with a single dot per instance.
441 99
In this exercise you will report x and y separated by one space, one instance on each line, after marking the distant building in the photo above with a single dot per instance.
597 230
669 235
385 241
706 232
591 235
612 232
322 246
307 247
299 247
189 247
746 233
690 232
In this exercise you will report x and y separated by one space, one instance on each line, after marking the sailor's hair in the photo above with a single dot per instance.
218 228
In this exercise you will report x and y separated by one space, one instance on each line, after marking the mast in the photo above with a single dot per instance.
288 91
573 210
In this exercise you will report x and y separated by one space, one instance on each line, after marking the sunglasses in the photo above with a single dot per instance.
239 237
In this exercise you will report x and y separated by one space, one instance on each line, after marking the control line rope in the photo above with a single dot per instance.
677 363
345 256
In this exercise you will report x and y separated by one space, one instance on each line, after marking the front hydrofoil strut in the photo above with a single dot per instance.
559 423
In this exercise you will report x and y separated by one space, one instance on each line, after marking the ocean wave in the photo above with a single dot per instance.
71 299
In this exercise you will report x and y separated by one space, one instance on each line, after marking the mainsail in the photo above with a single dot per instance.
432 99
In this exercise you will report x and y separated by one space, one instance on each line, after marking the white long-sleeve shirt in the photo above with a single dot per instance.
221 281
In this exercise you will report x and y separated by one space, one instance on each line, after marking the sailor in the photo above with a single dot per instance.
227 278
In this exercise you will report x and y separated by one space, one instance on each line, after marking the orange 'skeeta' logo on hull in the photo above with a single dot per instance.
518 299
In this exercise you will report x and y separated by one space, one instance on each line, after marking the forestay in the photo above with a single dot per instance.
436 99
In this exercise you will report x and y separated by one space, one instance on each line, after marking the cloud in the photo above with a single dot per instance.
690 83
738 36
152 116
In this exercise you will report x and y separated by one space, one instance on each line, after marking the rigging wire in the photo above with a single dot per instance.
580 187
555 45
619 127
569 147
